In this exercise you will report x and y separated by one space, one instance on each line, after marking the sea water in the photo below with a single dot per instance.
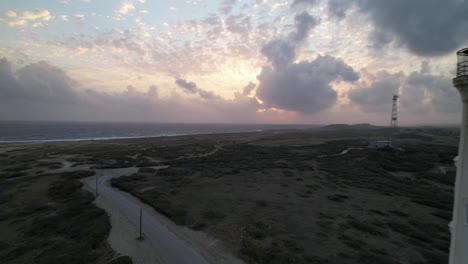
21 131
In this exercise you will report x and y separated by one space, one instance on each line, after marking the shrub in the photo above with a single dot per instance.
79 174
147 170
121 260
213 215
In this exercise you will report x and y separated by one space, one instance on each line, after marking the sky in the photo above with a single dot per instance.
231 61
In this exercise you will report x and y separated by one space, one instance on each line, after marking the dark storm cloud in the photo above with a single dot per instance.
421 92
426 28
303 87
304 22
304 2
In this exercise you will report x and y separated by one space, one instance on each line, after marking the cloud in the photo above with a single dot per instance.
376 96
8 85
64 18
37 25
279 52
303 87
124 8
338 8
188 87
17 22
432 28
38 82
304 22
191 88
79 17
437 92
14 19
226 6
10 14
240 24
36 14
304 2
41 91
248 89
420 93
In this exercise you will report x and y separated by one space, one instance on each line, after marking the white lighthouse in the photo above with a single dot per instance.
459 225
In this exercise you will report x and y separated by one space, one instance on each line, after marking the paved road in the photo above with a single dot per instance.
171 249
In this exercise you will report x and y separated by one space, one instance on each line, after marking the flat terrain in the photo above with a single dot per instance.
269 197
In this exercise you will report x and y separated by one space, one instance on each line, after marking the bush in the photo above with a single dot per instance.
337 197
366 228
68 229
79 174
121 260
262 203
147 170
213 215
447 179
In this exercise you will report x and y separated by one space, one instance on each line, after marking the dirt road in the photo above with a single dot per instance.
167 245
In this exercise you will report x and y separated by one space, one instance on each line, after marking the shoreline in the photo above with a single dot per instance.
91 139
79 140
76 132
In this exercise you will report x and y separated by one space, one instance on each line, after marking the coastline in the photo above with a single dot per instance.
44 132
90 139
78 140
247 190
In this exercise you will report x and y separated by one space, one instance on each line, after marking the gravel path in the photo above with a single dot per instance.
124 209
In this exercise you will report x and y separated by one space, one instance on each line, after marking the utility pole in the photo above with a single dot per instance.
97 183
141 233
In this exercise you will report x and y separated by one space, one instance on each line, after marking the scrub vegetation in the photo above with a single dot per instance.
288 203
47 218
270 197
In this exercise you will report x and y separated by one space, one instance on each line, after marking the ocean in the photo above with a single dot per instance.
21 131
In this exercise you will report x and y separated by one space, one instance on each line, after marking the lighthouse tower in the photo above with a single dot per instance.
459 225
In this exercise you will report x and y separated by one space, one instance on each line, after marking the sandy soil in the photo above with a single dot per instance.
123 237
270 199
124 232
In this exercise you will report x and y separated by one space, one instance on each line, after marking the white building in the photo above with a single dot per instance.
459 224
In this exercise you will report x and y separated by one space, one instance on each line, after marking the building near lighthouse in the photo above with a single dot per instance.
459 224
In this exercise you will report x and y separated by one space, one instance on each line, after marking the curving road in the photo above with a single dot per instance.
170 248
